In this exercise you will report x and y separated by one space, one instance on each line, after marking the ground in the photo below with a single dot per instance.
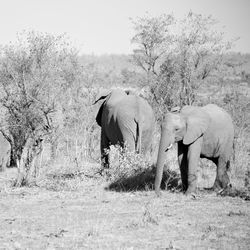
91 217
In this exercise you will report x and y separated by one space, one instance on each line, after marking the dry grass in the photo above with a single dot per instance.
132 172
75 207
94 218
240 170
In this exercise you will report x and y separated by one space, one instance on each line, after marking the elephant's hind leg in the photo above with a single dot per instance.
104 150
129 140
222 179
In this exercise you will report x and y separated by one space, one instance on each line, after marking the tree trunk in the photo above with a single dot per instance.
27 163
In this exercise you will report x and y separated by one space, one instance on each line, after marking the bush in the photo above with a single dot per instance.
131 172
32 74
45 95
124 164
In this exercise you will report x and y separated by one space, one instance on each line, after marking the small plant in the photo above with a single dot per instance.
124 164
149 217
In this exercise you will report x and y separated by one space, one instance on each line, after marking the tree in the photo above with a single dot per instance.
200 50
34 73
152 38
79 129
187 51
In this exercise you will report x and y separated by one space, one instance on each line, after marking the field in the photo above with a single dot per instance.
59 199
81 214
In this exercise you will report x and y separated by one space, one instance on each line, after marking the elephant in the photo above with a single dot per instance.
124 118
200 132
4 153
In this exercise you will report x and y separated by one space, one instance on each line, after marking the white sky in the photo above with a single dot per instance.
103 26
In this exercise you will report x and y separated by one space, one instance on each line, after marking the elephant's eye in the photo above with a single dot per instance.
177 129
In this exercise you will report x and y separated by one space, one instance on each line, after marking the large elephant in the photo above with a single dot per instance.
124 117
4 153
205 132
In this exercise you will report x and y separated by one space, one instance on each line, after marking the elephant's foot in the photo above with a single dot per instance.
221 187
158 193
192 196
191 190
217 186
223 190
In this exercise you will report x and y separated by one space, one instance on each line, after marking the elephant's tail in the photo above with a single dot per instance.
138 137
234 147
138 121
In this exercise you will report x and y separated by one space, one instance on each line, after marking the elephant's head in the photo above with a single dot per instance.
111 97
186 126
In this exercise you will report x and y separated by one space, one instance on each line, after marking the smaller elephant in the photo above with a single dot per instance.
201 132
4 153
124 118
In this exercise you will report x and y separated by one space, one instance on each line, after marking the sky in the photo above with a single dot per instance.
104 26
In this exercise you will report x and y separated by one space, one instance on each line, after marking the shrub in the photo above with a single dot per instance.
124 164
34 72
130 172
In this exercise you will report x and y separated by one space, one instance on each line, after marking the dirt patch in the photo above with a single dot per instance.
94 218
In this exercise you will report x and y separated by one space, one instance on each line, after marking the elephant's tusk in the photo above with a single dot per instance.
170 146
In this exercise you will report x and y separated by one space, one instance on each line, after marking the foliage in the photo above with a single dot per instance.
78 132
187 52
34 72
124 163
238 105
153 38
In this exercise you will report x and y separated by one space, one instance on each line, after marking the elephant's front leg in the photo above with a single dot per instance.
183 164
104 150
193 156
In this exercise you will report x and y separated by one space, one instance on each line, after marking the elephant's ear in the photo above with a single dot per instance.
99 115
102 95
197 123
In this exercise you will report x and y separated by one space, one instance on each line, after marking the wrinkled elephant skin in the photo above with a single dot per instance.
124 118
201 132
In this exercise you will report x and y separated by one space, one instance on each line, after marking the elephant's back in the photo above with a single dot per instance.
221 128
135 109
218 115
146 120
138 107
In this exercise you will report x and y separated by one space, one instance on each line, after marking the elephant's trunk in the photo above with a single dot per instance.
165 144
